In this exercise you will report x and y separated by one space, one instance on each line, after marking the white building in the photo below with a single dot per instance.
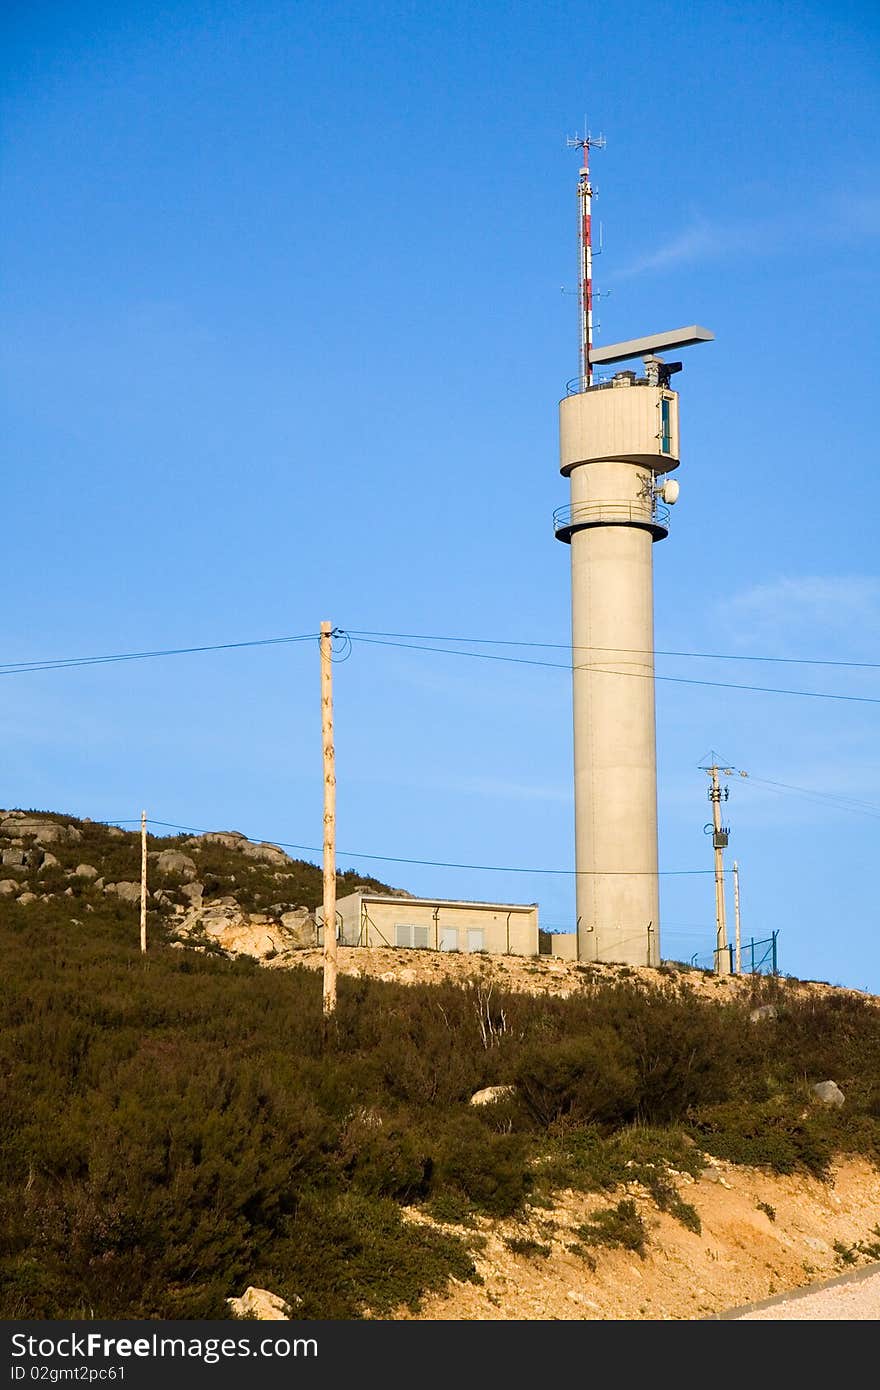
439 924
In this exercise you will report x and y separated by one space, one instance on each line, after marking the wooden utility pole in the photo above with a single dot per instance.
737 938
143 881
329 858
719 840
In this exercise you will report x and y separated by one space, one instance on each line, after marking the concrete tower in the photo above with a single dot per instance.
618 441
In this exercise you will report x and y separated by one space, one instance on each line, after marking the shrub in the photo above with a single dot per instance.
525 1246
175 1128
618 1226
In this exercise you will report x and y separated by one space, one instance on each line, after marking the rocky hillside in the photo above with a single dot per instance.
217 890
478 1136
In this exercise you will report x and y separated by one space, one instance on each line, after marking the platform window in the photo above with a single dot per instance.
475 938
665 426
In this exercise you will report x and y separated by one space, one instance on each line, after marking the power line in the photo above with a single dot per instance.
639 675
15 668
832 799
630 651
442 863
835 800
395 639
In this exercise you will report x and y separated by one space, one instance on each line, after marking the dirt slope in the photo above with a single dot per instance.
529 974
761 1235
741 1255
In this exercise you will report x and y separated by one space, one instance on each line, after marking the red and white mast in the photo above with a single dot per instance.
585 254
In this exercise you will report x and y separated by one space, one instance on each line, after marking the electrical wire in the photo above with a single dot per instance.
639 675
446 864
632 651
15 668
832 799
397 639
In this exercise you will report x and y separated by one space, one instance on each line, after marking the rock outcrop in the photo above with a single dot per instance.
490 1095
45 832
261 1304
264 852
172 861
129 892
257 934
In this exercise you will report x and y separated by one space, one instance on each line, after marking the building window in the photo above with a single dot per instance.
449 938
410 934
475 938
665 426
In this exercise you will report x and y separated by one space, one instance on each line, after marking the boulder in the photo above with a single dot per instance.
14 858
229 839
261 1304
8 887
490 1095
300 928
49 862
764 1011
86 871
265 853
45 832
25 898
712 1174
129 892
171 861
193 892
828 1092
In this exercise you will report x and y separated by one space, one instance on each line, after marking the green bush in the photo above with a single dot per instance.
528 1248
174 1127
619 1226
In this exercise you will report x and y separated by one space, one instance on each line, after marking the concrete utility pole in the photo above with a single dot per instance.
720 836
737 950
143 882
329 859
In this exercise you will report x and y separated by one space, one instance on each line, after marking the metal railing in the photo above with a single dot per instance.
584 514
576 385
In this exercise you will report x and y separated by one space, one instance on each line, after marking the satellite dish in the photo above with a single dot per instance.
669 491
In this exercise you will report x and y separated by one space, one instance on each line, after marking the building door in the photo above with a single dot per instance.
475 938
449 938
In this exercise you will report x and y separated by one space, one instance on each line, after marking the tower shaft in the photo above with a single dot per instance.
616 439
615 768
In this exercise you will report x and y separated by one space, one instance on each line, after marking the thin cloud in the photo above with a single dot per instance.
853 217
809 611
697 243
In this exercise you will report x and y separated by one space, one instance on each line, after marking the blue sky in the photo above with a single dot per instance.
284 342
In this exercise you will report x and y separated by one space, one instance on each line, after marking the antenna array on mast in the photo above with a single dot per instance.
586 143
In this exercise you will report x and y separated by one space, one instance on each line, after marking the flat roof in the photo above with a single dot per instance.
437 902
655 342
